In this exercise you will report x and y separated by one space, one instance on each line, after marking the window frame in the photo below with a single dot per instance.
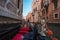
55 2
54 15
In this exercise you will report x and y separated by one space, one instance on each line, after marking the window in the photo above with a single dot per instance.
18 3
55 3
46 7
35 9
56 16
42 4
43 12
45 2
47 17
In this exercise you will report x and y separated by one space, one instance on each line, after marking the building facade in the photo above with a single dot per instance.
10 11
51 11
29 17
36 10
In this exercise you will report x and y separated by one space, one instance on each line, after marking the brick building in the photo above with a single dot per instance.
29 17
36 10
47 9
10 11
51 10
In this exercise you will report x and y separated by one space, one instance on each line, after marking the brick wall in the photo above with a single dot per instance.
52 11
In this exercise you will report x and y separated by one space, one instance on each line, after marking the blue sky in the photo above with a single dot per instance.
26 6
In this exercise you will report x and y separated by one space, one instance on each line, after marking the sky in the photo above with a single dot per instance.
26 6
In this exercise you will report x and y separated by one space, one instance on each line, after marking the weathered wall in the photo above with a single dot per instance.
11 9
52 11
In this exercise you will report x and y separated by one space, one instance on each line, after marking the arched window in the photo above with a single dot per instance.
55 3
